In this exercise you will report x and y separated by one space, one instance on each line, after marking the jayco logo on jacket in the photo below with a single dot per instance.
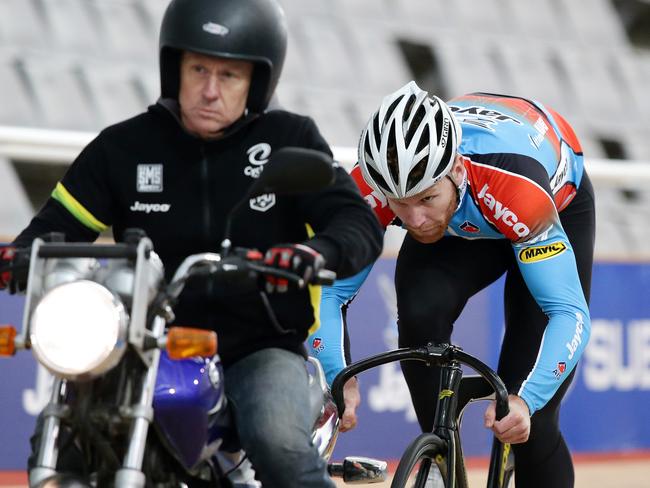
150 207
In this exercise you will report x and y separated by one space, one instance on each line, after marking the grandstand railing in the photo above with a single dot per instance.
60 147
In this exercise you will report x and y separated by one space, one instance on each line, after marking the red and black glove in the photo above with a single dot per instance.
298 259
14 265
7 255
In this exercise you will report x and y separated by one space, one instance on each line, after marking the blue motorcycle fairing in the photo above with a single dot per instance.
186 395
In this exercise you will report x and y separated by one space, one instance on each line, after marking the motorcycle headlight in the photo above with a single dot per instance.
78 330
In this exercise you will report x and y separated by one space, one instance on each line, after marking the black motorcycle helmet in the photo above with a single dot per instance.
250 30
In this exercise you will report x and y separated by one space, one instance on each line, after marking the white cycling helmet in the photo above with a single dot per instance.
409 144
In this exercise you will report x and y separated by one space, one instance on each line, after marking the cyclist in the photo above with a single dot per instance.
485 185
178 169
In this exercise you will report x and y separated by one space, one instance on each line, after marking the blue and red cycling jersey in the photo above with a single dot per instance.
523 166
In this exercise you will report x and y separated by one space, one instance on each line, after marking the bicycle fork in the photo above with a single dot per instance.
446 427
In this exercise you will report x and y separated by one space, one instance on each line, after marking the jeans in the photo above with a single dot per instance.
268 393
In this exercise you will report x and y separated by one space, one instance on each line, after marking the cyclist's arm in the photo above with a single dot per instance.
517 198
327 343
554 283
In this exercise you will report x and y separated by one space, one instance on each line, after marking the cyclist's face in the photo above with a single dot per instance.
213 93
427 214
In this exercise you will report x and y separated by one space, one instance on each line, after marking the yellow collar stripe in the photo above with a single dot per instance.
63 196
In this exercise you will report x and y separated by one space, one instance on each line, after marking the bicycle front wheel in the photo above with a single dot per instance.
425 453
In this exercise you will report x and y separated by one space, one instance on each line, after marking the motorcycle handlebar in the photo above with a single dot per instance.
237 264
82 250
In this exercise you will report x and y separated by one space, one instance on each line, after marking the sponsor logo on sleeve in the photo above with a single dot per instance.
577 336
533 254
317 345
150 178
559 369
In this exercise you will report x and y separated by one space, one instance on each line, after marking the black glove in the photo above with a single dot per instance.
14 268
298 259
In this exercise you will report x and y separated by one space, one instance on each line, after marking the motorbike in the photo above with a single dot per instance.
139 402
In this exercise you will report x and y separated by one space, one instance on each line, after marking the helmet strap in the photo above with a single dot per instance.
460 189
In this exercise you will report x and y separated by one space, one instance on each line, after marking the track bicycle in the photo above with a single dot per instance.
442 448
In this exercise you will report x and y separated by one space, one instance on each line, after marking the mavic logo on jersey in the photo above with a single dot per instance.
577 336
481 116
263 202
258 156
150 178
467 226
502 212
150 207
540 253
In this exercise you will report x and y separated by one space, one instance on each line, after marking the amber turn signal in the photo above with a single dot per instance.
185 342
7 342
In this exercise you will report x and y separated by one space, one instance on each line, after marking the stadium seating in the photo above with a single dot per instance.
85 64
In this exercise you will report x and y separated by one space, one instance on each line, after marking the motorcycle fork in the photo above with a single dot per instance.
131 474
48 451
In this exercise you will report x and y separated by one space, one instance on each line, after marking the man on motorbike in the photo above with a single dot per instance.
176 171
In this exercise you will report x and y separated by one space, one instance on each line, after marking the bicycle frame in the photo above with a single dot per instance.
453 397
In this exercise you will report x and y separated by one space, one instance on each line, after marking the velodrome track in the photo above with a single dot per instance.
611 470
630 470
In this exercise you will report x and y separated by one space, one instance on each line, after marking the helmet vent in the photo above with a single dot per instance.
391 109
415 124
409 107
377 178
375 129
417 173
392 159
446 158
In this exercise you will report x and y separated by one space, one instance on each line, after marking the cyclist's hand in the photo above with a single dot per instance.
352 399
514 427
299 259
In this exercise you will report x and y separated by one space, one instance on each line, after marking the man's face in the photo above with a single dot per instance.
213 93
427 214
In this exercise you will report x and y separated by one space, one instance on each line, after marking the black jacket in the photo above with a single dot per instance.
148 173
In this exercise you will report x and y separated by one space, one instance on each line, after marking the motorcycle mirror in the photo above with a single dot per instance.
289 170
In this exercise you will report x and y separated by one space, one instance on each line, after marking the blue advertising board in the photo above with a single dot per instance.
606 408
